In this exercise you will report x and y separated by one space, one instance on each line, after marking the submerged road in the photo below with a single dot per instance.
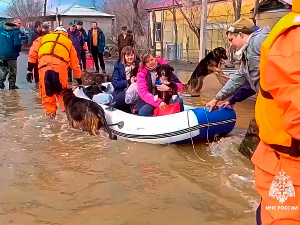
52 174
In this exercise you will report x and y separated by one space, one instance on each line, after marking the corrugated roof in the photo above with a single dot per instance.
76 10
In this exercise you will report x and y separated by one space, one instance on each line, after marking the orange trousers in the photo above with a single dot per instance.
49 102
277 180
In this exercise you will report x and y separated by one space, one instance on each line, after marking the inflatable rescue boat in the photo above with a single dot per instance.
180 128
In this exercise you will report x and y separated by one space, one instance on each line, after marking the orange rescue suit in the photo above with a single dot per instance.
54 53
277 112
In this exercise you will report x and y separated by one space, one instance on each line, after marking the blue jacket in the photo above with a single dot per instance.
77 40
10 39
119 81
101 40
243 93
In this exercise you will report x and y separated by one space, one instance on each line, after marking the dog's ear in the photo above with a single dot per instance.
158 68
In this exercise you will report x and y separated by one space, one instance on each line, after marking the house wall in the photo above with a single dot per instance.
220 14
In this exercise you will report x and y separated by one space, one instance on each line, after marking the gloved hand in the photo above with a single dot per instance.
29 76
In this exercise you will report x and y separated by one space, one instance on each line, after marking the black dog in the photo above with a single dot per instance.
85 114
95 89
164 75
208 65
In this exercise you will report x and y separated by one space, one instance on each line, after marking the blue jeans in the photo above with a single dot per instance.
148 110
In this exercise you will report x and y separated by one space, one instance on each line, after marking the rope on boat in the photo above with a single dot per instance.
203 160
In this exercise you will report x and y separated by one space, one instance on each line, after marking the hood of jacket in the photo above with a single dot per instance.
10 26
159 61
74 33
261 33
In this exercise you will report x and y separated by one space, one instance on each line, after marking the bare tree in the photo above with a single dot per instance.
237 8
25 9
255 10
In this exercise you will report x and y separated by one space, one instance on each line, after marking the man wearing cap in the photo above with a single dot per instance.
245 83
125 39
40 30
85 38
78 42
96 45
54 53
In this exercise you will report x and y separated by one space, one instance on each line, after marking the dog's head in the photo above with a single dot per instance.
220 53
67 93
134 71
164 71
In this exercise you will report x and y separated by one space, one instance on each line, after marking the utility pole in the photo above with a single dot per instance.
45 7
203 29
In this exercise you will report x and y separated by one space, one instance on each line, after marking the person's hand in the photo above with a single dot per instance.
162 105
29 76
162 87
227 103
210 105
133 79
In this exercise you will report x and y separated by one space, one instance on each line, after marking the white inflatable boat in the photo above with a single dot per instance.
178 128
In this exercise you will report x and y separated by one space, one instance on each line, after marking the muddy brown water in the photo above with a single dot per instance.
52 174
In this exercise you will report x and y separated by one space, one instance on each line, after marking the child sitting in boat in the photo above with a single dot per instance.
146 79
121 79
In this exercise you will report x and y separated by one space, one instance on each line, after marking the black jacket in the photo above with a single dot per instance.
33 35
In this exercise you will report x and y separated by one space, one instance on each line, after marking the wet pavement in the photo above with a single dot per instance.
52 174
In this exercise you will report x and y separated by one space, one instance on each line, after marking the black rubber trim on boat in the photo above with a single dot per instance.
171 134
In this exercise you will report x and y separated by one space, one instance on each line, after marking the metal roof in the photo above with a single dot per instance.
76 10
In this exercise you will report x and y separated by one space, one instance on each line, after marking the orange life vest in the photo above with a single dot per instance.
269 116
57 45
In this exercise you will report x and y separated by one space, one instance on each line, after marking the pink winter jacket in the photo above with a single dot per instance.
143 89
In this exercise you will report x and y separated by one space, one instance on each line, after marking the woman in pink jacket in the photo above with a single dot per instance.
146 79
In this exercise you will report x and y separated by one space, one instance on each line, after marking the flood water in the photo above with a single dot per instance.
52 174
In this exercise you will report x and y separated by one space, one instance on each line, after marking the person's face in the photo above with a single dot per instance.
236 40
79 27
129 58
151 62
94 26
72 27
39 28
18 22
44 31
124 32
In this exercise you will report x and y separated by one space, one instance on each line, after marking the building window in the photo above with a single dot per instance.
158 32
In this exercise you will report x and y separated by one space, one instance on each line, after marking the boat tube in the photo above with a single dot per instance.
178 128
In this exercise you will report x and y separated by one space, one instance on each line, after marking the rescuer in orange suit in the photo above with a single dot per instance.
54 53
277 112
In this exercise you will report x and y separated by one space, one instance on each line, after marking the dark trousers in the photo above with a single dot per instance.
96 54
36 73
119 98
251 140
83 60
9 67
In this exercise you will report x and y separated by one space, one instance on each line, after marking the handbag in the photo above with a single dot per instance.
169 109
